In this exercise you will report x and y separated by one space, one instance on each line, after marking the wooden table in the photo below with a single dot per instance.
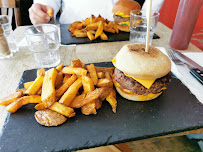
12 69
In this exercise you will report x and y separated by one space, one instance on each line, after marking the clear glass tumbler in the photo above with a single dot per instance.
43 41
138 26
8 32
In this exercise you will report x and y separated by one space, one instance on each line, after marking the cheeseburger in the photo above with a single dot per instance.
121 10
141 76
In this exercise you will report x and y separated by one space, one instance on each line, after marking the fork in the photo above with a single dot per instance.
173 57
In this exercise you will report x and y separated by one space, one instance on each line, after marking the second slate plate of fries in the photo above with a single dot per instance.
93 29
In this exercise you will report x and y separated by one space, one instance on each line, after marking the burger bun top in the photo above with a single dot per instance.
125 6
133 60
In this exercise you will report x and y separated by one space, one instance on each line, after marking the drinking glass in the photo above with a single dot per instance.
43 41
138 26
5 22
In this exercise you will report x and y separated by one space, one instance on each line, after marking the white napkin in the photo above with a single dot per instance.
182 73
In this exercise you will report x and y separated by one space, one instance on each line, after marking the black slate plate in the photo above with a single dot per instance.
176 110
66 37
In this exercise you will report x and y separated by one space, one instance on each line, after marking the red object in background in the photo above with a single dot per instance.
186 18
167 17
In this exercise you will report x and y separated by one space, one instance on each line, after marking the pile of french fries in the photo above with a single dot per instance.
63 89
95 27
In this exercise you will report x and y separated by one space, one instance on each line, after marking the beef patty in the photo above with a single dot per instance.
119 19
135 87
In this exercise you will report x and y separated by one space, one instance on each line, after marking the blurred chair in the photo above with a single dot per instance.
12 9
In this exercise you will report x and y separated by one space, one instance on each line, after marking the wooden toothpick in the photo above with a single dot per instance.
148 14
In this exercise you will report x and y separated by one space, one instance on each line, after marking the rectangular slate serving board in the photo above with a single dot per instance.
67 39
176 110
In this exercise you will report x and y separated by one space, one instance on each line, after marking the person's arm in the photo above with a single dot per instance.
38 12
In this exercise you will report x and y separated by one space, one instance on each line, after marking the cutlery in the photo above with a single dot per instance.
197 73
182 56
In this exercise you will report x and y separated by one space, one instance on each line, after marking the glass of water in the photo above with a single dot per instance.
138 26
43 41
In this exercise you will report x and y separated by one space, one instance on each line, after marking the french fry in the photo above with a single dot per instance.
92 26
14 106
103 36
11 98
59 79
77 71
110 24
99 30
92 17
41 72
107 29
98 103
112 101
104 83
34 87
22 90
66 85
59 67
86 22
40 106
39 92
77 25
50 12
89 109
48 87
108 75
88 84
100 75
93 73
115 28
77 64
84 99
103 69
27 84
98 19
79 33
62 109
66 77
93 32
90 35
104 93
70 94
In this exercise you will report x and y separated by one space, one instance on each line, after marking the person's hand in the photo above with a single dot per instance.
39 14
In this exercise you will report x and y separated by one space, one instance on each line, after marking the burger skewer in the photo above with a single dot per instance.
149 4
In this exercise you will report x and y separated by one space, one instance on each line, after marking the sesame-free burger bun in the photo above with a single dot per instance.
125 6
133 60
135 97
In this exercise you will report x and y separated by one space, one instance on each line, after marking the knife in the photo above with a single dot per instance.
197 72
182 56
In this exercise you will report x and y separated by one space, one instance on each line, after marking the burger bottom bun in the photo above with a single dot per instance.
134 97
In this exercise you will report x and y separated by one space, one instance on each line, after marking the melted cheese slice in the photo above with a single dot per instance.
121 14
125 23
146 83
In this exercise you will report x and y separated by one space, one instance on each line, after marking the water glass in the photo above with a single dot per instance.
138 26
43 41
8 33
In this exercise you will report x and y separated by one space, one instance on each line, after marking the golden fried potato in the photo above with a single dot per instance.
41 72
70 94
90 35
111 98
27 84
59 67
92 26
66 85
88 84
48 87
77 71
11 98
103 36
34 87
89 109
62 109
104 83
100 75
99 30
66 77
77 64
14 106
93 74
